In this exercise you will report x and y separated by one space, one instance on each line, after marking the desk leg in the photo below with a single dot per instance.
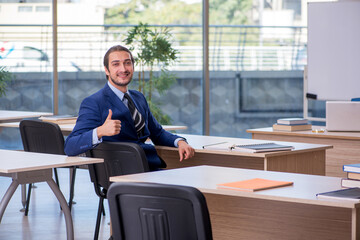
355 223
23 197
65 208
8 195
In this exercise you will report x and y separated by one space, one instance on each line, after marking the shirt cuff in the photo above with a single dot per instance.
95 139
177 140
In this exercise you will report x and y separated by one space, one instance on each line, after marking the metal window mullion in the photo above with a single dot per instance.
55 77
206 78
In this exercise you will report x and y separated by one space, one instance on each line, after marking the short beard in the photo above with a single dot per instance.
119 84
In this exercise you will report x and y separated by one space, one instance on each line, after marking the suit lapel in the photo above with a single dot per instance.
118 105
114 100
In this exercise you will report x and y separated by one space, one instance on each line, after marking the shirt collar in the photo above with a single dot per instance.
117 92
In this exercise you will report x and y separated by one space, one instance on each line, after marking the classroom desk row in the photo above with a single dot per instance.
305 158
346 145
290 212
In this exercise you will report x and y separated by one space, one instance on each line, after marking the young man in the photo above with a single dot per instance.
115 113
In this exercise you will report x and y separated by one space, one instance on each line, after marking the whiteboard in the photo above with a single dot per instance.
334 50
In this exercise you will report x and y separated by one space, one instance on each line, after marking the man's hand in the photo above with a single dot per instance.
110 127
185 150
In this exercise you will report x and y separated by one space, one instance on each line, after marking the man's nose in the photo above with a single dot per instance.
122 67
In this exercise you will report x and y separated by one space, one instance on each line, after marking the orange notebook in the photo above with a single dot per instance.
254 184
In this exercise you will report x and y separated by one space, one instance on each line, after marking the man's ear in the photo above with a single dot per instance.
106 71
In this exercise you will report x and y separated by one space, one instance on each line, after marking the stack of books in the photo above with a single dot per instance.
353 176
292 124
350 185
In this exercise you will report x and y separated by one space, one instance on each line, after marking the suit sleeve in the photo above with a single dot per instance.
80 139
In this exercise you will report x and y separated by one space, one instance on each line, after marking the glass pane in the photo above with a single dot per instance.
257 57
25 9
25 52
42 9
85 36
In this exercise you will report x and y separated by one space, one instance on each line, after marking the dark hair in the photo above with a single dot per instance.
116 48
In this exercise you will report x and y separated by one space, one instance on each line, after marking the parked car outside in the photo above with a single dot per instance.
22 57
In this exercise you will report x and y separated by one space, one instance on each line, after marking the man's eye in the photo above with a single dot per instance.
127 63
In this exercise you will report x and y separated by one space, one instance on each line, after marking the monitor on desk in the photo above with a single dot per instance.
343 116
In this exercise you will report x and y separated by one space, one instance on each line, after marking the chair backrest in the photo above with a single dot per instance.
120 158
151 211
42 137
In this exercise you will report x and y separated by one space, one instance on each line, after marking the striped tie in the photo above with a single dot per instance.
136 116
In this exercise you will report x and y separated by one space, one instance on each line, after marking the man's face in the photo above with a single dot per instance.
121 69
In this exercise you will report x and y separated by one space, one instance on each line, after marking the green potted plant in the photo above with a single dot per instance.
5 77
153 51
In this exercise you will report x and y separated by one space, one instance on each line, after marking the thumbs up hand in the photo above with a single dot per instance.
110 127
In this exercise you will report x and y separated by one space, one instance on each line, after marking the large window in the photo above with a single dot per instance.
257 53
25 51
97 28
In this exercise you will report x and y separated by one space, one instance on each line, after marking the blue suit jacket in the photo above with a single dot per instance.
93 113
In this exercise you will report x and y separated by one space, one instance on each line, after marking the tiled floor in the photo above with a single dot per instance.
45 219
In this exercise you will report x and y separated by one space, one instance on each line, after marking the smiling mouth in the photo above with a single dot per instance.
123 74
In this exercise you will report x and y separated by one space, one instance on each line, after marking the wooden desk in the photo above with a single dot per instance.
291 212
11 116
67 128
346 145
305 158
28 167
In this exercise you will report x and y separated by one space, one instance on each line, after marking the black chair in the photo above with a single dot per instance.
45 137
120 158
154 211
